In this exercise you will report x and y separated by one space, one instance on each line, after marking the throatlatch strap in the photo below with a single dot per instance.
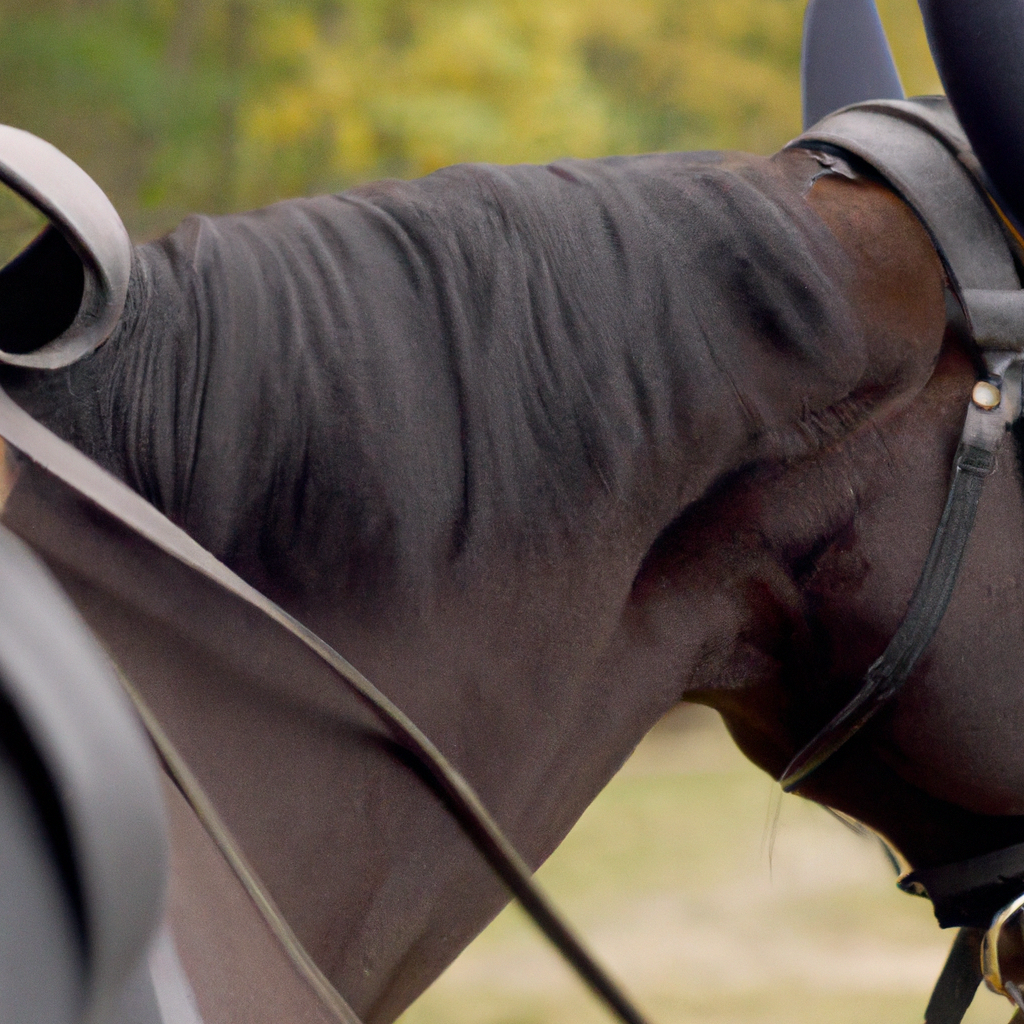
970 892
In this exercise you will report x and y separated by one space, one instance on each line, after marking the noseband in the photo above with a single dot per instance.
918 149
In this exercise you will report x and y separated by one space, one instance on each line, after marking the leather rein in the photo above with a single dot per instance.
109 494
916 148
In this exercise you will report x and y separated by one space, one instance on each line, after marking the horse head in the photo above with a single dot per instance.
545 451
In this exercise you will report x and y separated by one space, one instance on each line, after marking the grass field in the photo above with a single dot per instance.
710 908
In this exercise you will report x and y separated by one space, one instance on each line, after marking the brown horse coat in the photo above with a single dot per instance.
542 451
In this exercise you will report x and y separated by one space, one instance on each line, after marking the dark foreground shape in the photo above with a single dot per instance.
977 49
846 58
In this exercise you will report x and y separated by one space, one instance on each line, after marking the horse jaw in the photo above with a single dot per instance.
940 772
820 556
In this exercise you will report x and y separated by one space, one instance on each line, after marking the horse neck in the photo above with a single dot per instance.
529 579
517 676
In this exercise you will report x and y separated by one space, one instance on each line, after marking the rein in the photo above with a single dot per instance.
108 493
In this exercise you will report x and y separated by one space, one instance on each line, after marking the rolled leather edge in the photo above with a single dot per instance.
78 208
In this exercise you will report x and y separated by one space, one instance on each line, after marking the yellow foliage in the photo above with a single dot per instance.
221 104
405 88
905 29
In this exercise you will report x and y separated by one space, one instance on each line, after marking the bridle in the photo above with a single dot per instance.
918 150
916 147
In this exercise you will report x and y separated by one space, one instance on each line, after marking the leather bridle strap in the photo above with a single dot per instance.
975 460
918 150
98 486
970 892
959 980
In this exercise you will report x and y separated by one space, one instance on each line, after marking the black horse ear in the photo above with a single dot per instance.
846 58
978 46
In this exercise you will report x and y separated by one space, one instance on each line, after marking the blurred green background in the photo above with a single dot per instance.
218 105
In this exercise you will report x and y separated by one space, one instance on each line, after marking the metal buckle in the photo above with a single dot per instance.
1002 953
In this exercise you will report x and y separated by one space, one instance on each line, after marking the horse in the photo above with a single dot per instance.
544 451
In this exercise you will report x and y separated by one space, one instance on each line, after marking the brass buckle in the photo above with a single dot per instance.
1002 953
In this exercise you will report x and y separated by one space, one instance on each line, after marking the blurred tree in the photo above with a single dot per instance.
175 105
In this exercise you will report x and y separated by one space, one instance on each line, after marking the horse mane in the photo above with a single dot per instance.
508 356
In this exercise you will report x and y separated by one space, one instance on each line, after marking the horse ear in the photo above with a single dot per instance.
978 47
846 58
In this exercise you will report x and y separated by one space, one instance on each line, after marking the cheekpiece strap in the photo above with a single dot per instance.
884 679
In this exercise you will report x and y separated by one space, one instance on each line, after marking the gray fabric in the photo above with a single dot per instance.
158 991
42 967
174 996
138 1003
91 759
